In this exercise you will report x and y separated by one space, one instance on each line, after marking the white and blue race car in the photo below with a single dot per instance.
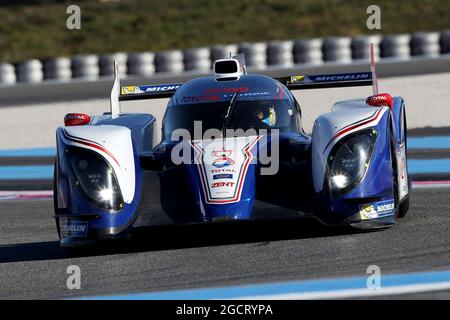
232 148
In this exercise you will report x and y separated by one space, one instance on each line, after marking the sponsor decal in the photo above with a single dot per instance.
222 158
149 89
341 77
73 228
221 153
223 171
160 88
76 119
203 98
226 90
383 99
223 162
222 184
214 163
249 94
297 79
76 116
377 210
222 176
131 90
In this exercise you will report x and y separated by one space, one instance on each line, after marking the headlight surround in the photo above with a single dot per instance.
349 160
96 179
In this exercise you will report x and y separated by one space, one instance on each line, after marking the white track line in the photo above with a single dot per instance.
354 293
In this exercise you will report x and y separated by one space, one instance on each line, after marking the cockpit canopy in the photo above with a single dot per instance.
261 103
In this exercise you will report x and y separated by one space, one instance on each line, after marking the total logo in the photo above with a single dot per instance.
223 171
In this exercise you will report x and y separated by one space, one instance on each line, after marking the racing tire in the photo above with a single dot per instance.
403 208
394 174
404 205
55 201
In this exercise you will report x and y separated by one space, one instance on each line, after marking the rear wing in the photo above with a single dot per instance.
338 80
129 93
299 82
327 80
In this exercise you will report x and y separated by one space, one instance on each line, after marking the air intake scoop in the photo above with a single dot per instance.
230 69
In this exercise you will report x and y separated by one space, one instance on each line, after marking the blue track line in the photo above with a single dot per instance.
437 142
428 166
35 152
280 288
26 172
46 172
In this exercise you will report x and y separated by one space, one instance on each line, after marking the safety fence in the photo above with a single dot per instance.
259 56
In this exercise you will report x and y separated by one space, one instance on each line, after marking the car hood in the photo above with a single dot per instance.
223 177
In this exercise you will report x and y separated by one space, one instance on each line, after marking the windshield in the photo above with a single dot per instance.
248 114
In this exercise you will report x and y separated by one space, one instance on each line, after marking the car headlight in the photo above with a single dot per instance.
349 160
95 177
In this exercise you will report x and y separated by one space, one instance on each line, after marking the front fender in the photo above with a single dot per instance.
115 145
330 128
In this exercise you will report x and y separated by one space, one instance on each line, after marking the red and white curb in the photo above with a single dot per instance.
431 184
26 195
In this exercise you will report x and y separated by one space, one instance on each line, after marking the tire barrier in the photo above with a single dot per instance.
85 67
58 69
280 53
141 64
425 44
169 61
223 51
255 54
7 74
396 46
361 47
258 56
337 49
30 71
197 59
107 64
308 51
445 42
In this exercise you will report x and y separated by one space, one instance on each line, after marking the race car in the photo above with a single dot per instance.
232 148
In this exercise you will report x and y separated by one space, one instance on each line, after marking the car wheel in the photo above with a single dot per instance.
404 205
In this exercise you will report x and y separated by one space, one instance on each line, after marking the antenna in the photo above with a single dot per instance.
373 70
115 92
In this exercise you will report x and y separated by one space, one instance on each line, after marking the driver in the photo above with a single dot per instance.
269 118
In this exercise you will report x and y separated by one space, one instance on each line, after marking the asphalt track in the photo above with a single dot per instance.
33 266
